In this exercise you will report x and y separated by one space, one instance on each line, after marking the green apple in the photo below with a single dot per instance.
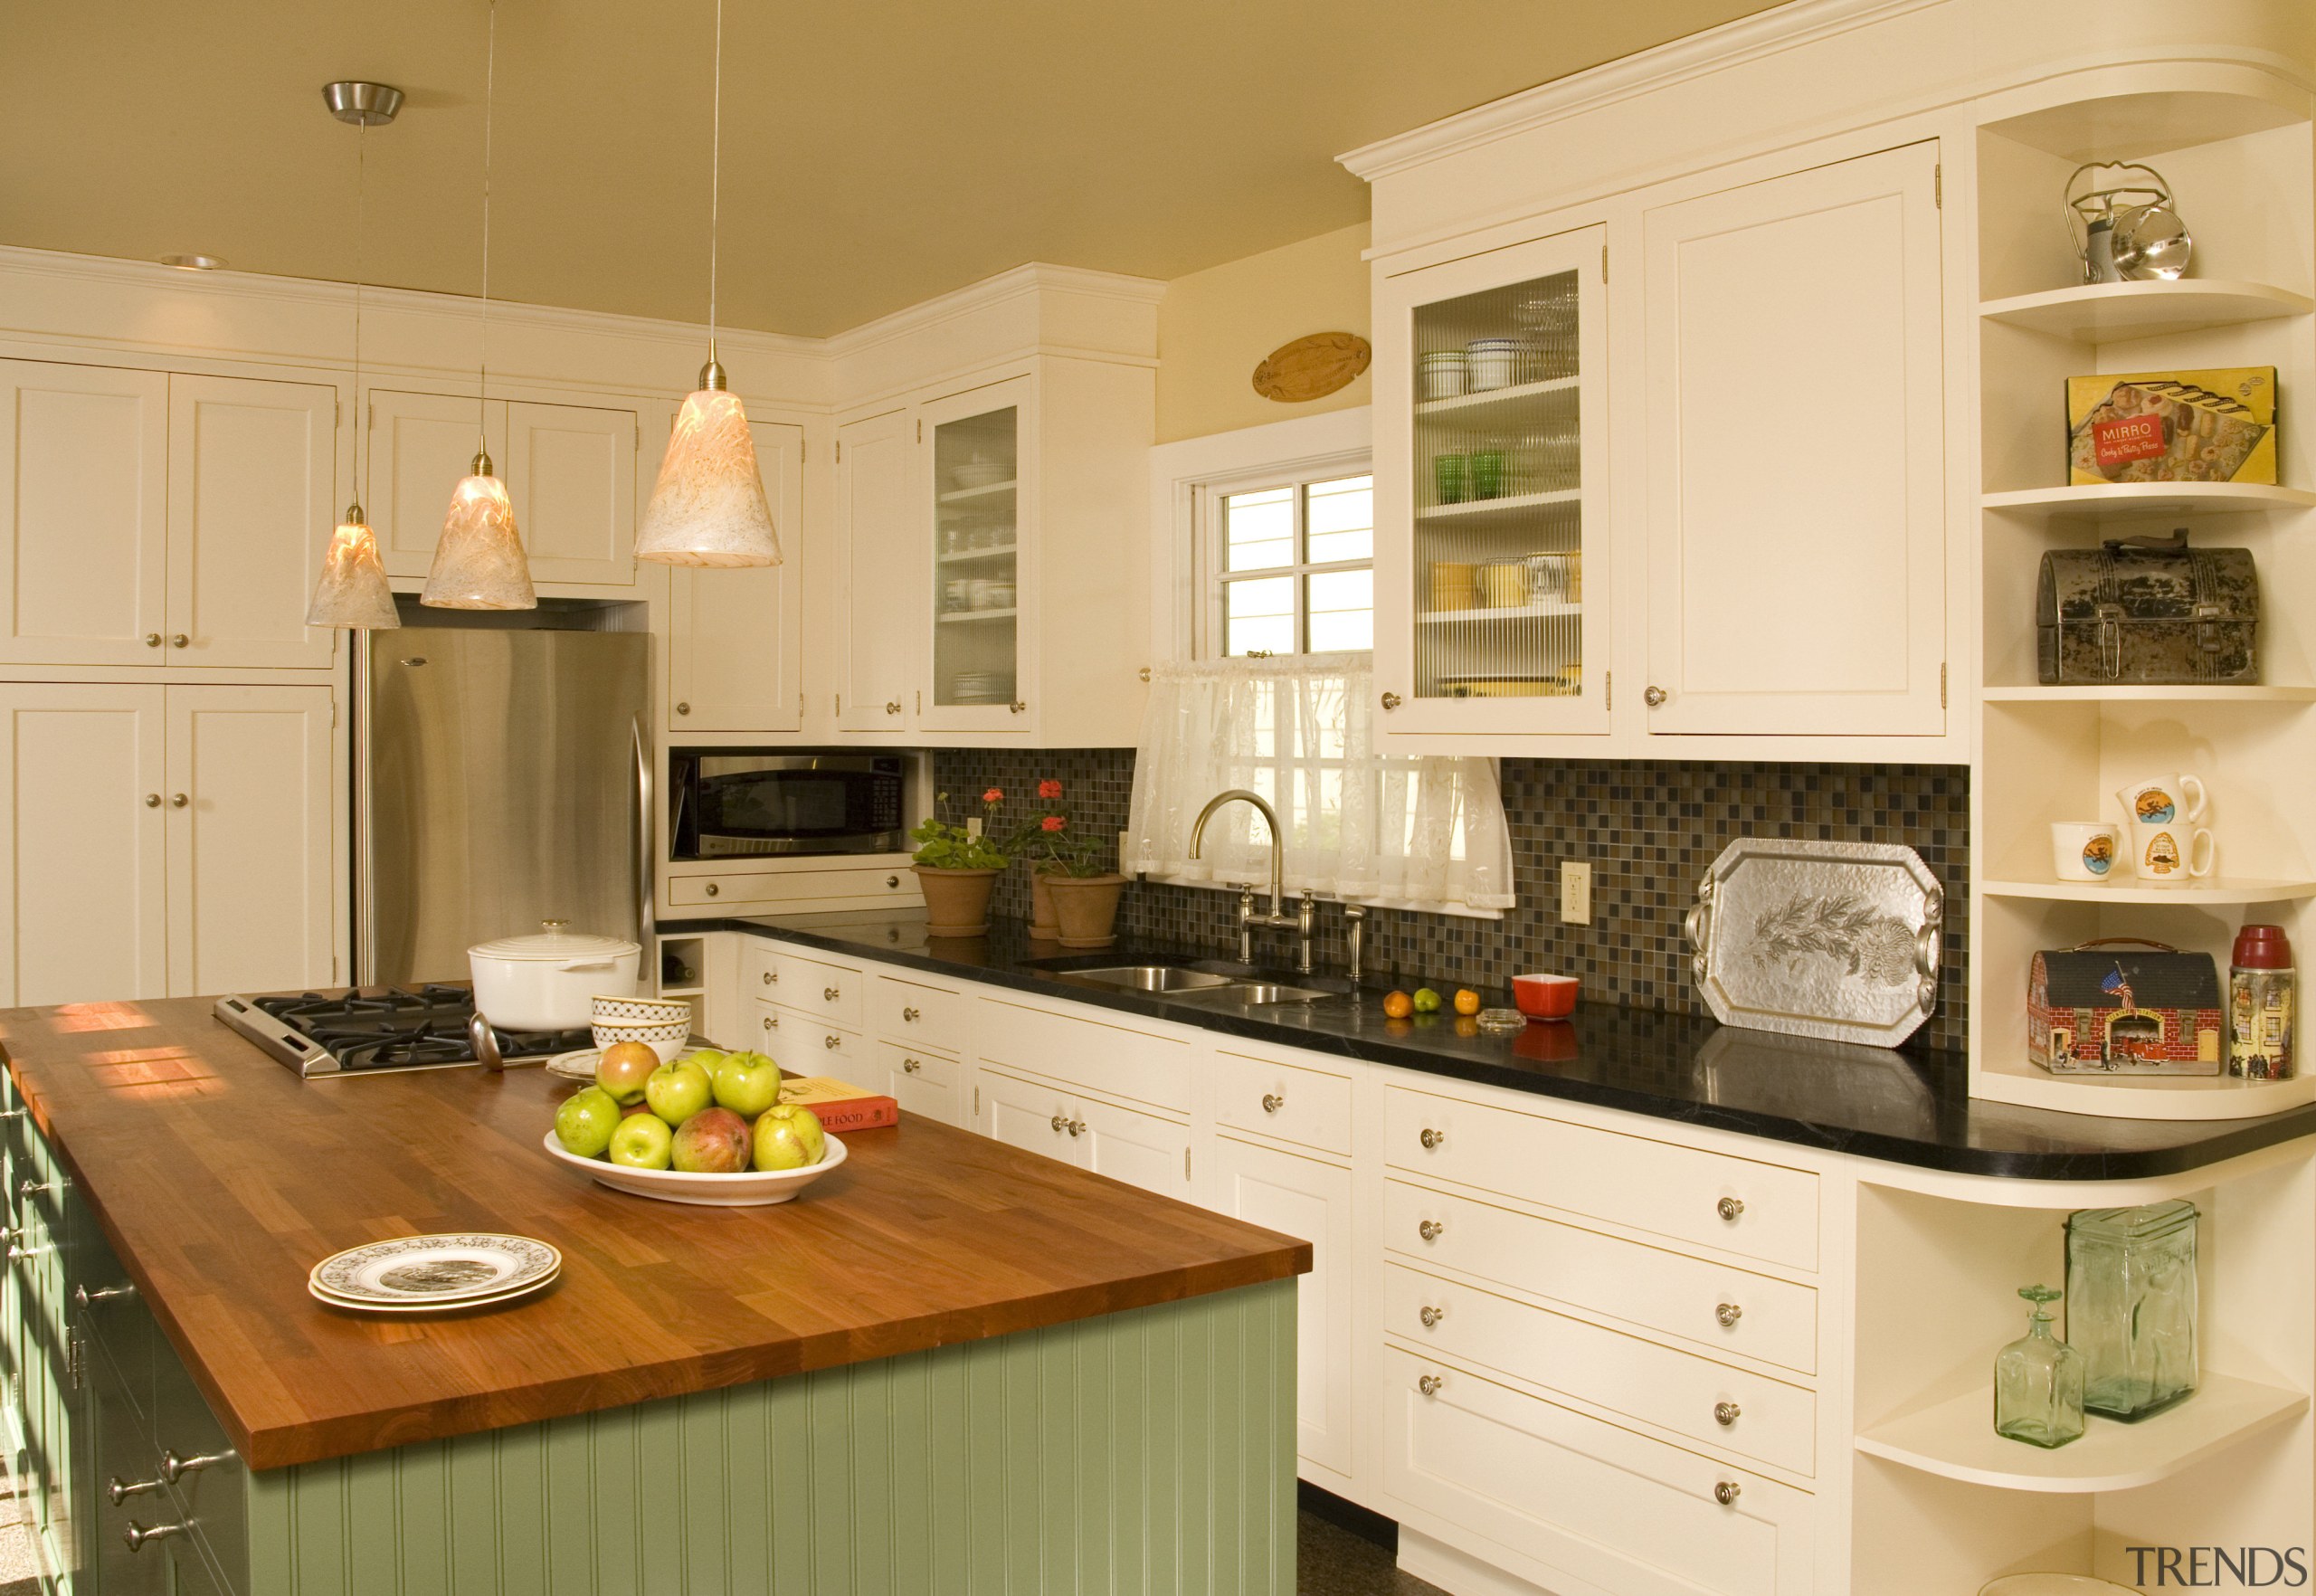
747 1084
623 1069
676 1091
584 1122
707 1059
789 1136
714 1141
642 1141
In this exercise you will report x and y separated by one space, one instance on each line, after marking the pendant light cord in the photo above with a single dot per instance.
715 174
362 459
482 370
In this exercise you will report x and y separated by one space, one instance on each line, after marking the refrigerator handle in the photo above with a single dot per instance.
645 920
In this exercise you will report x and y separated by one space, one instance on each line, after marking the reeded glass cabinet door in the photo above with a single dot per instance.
1489 494
975 456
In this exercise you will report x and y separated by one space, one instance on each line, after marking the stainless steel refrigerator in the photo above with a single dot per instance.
501 778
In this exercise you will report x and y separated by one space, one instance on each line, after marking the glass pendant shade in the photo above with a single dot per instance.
708 507
353 590
479 561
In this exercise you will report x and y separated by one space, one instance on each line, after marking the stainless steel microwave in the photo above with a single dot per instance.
731 802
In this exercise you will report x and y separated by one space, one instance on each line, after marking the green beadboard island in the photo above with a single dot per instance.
950 1367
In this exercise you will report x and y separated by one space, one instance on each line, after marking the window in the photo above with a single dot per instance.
1289 568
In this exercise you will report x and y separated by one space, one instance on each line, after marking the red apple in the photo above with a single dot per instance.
714 1141
623 1069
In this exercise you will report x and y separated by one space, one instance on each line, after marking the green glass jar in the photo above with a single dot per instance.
2038 1382
2130 1289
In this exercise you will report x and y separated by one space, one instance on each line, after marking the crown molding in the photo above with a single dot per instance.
1748 39
1018 282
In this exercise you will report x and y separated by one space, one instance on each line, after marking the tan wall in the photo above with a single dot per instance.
1214 327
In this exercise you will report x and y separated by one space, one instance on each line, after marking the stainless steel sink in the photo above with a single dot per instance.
1151 978
1253 993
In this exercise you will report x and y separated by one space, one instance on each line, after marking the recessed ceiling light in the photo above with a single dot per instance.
195 263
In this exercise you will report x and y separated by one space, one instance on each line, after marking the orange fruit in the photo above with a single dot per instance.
1467 1002
1398 1004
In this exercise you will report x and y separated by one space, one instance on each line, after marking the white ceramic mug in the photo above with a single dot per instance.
2086 850
2168 855
2162 801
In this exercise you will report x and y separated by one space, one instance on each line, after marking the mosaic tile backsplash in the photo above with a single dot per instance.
1649 828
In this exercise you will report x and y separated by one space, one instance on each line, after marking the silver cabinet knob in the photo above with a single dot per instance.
1728 1313
152 801
152 640
1432 1138
1431 1229
179 801
32 1188
909 1015
772 1022
179 640
1429 1384
892 706
892 880
82 1298
120 1490
1725 1413
1077 1127
1060 1123
1729 1208
833 1042
136 1534
1017 708
910 1066
1727 1491
769 978
1653 696
1391 700
713 889
683 709
174 1467
1273 1102
1432 1316
829 994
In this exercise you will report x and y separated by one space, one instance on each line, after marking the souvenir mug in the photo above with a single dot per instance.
2086 850
2166 842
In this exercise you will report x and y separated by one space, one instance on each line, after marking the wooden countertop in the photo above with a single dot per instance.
221 1178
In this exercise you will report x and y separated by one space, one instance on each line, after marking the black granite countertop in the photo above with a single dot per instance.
1909 1106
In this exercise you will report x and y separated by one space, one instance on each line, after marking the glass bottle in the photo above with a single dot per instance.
2131 1281
2038 1382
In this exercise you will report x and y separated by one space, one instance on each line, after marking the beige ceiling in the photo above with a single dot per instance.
875 152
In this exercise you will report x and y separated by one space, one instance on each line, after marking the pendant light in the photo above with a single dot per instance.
352 591
707 507
479 561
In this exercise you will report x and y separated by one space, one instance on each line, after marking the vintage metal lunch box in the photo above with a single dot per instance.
2147 610
2121 1006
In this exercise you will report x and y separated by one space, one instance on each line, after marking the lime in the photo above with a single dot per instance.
1427 1002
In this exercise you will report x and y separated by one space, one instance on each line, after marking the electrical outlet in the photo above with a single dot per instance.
1575 893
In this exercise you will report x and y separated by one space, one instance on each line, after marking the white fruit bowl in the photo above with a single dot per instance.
754 1189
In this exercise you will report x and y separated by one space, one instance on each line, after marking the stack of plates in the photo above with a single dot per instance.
982 687
434 1274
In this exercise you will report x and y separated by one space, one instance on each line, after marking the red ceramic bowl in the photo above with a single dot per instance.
1545 997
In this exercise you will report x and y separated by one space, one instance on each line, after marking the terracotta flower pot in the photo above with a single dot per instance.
956 902
1086 907
1043 927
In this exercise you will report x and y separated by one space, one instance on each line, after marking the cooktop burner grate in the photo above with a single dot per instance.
393 1028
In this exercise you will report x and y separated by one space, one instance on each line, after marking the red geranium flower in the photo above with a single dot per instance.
994 795
1049 789
1053 822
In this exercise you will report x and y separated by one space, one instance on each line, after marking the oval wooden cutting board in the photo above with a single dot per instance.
1312 368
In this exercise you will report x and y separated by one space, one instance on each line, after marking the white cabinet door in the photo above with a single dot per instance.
1796 454
883 587
570 470
83 514
82 836
1303 1197
973 541
1140 1149
420 445
1032 1117
735 653
253 485
248 808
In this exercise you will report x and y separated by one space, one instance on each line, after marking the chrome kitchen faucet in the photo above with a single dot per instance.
1306 914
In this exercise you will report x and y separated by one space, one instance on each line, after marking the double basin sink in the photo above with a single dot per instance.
1192 984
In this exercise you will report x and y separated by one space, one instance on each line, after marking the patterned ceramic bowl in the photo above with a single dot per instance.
641 1011
666 1041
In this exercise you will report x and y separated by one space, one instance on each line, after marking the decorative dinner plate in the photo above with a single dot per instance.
527 1289
1839 940
579 1064
457 1268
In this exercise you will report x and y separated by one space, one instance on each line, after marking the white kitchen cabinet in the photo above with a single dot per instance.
1029 1115
735 653
252 491
978 544
420 445
1310 1199
83 885
84 514
923 1082
883 590
1491 550
1796 457
1107 1138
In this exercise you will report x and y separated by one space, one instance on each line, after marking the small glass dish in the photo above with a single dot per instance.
1503 1020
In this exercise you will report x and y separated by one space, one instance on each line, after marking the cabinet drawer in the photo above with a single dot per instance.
1736 1204
923 1083
831 993
807 1044
1769 1421
1289 1101
1603 1505
1091 1053
936 1017
741 888
1667 1293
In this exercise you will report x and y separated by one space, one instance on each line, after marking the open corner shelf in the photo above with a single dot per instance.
2210 891
1956 1439
2203 1098
2154 498
2113 312
2184 694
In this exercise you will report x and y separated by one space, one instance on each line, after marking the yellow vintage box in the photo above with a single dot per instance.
2172 426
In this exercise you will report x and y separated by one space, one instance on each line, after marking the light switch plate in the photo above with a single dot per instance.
1575 893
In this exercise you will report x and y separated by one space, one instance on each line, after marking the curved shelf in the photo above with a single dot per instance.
2187 694
2154 498
2111 312
2211 890
1956 1439
2202 1097
1508 507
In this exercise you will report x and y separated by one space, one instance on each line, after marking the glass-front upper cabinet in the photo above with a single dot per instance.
977 460
1491 613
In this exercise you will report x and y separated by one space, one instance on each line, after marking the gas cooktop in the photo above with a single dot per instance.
393 1028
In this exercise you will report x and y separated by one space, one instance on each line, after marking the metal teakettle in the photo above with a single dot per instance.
2122 224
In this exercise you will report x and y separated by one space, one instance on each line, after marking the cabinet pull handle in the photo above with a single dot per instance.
120 1490
13 1113
892 880
84 1297
152 640
179 801
682 709
909 1015
1653 696
892 706
1727 1491
180 640
1728 1313
769 978
1429 1384
1273 1102
1019 707
1391 700
33 1188
772 1022
1077 1127
136 1534
1431 1229
833 1042
174 1467
18 1254
829 994
1729 1208
713 889
152 801
1060 1123
1432 1138
1726 1414
1432 1316
910 1066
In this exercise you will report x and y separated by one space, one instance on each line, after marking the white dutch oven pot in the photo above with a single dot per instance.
549 981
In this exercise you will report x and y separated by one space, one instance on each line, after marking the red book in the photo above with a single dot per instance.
840 1106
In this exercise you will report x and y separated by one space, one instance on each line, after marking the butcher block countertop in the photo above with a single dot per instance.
221 1178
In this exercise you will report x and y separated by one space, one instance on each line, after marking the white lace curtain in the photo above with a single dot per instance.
1418 832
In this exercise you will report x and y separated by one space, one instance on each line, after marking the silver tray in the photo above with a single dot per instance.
1838 940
